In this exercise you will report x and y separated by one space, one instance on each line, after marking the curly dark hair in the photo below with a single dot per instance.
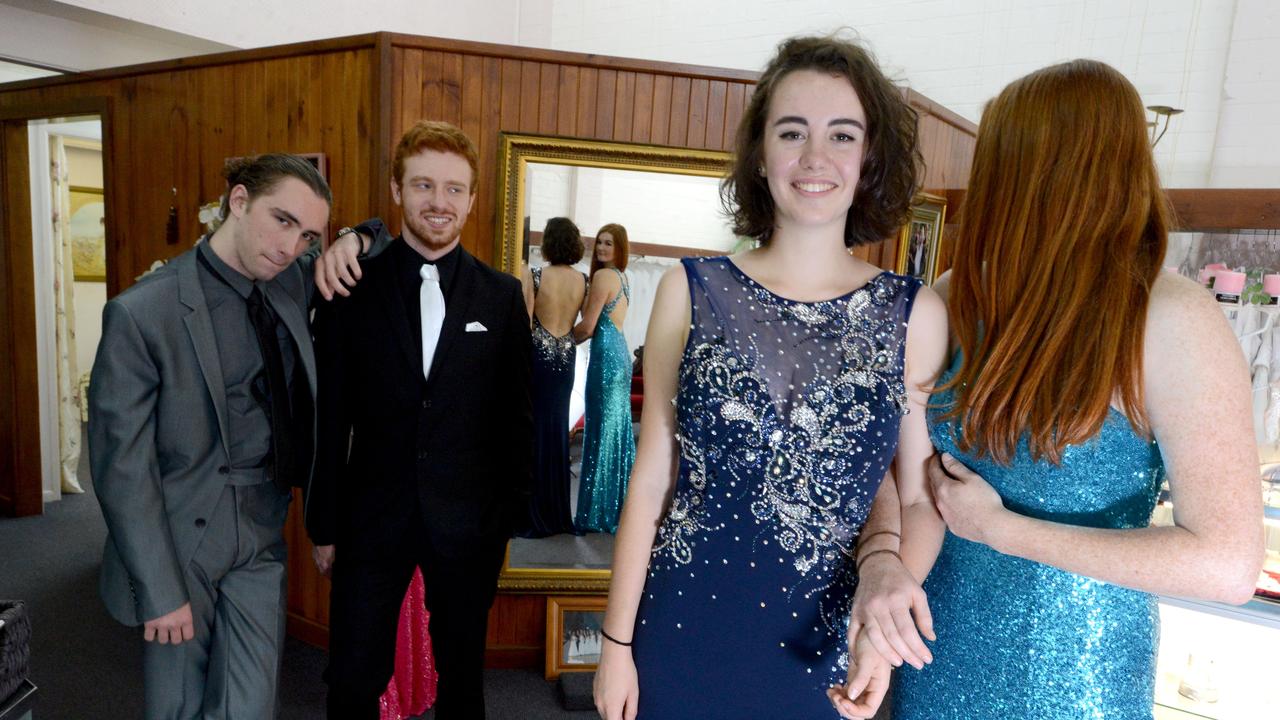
561 242
891 166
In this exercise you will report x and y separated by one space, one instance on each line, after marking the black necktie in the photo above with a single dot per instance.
283 452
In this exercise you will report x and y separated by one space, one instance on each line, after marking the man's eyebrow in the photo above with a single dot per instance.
287 215
459 183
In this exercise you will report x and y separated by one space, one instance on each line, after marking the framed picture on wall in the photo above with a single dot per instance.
920 239
88 234
317 159
573 633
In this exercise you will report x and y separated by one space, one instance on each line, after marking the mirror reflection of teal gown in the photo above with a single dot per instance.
608 445
1020 639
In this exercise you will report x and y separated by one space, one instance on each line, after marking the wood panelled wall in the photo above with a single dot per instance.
947 142
167 129
488 90
171 125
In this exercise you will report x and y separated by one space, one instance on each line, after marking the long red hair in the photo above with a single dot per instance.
621 248
1062 232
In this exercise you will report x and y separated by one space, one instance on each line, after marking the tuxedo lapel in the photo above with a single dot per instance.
200 328
456 310
291 315
393 300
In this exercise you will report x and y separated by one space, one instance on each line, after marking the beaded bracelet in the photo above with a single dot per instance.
858 565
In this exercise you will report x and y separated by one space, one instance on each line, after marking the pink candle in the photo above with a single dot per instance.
1271 284
1229 282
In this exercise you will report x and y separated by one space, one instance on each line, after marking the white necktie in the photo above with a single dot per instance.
431 304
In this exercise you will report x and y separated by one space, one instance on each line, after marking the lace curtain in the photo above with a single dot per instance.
69 400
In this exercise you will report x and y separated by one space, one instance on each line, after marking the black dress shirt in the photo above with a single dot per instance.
243 371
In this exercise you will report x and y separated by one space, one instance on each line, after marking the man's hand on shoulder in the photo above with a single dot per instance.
323 555
338 268
171 628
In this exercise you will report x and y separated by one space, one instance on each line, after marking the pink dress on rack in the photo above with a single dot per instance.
413 685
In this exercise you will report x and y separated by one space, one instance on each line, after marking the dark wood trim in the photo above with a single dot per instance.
383 143
307 630
15 238
230 57
605 62
1196 209
946 115
1213 209
62 107
22 454
380 39
514 657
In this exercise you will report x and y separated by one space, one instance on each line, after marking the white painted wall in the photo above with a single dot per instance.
12 72
961 52
52 34
253 23
1247 151
1218 59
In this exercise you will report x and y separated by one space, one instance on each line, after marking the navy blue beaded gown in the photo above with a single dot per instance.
551 382
787 416
1020 639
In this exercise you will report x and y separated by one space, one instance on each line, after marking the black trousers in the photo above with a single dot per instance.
369 584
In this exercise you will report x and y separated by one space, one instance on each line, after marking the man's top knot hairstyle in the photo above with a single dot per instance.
259 174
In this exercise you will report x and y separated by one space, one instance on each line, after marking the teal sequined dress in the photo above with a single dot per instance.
1020 639
609 445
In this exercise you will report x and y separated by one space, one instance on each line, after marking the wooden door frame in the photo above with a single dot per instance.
21 490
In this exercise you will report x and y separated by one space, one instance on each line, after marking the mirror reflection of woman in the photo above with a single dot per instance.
780 383
554 293
608 442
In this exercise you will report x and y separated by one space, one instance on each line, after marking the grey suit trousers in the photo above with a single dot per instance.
236 584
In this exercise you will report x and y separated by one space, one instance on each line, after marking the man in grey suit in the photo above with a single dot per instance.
201 419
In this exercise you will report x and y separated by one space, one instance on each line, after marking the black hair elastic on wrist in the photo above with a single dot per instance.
613 639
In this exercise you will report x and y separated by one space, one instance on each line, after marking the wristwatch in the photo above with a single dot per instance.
346 230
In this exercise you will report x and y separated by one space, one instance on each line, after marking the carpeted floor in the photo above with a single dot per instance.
88 667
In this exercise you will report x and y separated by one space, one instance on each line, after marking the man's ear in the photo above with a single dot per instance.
395 190
238 200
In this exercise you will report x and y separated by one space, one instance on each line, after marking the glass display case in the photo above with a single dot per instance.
1216 660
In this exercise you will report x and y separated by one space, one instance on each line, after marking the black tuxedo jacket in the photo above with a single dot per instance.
455 451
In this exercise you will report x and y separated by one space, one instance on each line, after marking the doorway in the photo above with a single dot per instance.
70 262
55 262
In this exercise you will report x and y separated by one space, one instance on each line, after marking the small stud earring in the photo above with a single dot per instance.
760 170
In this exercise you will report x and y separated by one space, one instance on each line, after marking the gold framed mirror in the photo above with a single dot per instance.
517 152
668 201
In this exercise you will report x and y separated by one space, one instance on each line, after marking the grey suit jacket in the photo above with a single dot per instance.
158 429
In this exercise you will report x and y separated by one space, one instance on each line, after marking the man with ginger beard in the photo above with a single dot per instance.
425 435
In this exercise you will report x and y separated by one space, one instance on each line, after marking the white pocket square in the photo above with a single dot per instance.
476 327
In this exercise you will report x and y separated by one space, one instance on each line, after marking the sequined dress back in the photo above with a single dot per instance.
1020 639
608 440
551 384
787 416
